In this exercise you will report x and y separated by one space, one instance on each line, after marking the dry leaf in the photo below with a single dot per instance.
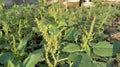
115 36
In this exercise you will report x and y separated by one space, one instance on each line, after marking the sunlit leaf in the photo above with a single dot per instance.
10 64
23 42
103 49
54 31
71 47
62 23
34 58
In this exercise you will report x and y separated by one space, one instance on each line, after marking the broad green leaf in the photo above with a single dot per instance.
81 60
23 42
71 47
101 37
54 31
71 34
10 64
62 23
5 57
17 63
5 46
116 47
35 29
34 58
103 49
73 56
43 42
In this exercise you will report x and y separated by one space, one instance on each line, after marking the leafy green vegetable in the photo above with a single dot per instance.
23 42
34 58
10 64
116 47
5 57
81 60
71 47
71 33
34 35
5 46
62 23
103 49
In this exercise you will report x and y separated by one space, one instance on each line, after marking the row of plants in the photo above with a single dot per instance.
57 36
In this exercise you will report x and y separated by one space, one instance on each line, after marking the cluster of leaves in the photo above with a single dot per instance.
55 36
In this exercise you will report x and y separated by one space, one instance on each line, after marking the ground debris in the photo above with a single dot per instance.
115 36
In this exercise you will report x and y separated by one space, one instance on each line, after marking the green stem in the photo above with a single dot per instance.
86 39
63 59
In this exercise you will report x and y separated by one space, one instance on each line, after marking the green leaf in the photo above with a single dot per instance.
34 58
101 64
101 37
5 46
62 23
35 29
73 56
103 49
71 34
5 57
87 49
71 47
10 64
81 60
54 31
1 34
17 63
43 42
116 47
23 42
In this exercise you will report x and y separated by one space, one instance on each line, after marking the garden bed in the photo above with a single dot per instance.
40 36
